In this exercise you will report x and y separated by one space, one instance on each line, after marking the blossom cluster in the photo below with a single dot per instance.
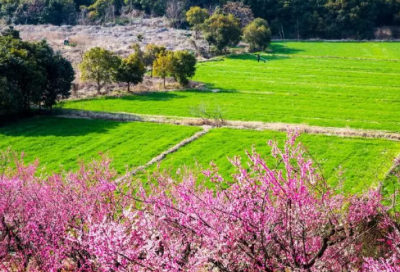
275 214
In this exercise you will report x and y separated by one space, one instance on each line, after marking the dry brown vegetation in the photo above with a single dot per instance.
118 39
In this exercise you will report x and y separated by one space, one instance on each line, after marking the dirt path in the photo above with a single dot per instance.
258 126
252 125
167 152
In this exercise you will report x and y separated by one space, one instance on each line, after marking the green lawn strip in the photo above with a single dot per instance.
287 70
314 109
59 143
363 94
363 162
372 50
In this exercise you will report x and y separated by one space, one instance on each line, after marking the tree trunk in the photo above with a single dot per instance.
129 87
98 84
164 82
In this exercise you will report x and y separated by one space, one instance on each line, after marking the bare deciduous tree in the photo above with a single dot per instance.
175 12
240 11
210 116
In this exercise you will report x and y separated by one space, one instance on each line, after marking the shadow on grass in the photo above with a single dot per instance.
145 96
151 96
253 57
59 127
283 49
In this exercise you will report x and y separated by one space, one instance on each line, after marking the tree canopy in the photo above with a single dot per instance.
257 34
290 19
162 65
183 66
222 30
196 16
99 65
131 70
31 73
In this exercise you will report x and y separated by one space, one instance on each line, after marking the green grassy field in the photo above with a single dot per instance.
354 85
363 162
60 143
336 92
370 50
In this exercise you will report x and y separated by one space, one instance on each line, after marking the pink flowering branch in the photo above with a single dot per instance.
273 214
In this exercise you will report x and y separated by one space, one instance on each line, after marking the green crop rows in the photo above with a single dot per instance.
60 143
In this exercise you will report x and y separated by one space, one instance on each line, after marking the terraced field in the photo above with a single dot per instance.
339 85
363 162
61 143
289 88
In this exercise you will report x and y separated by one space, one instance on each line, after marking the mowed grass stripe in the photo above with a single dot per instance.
372 50
294 109
294 71
364 162
59 143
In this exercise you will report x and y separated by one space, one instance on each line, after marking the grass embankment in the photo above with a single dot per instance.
320 91
364 162
60 143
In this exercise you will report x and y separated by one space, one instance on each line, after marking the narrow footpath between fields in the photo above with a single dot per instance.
251 125
209 124
165 153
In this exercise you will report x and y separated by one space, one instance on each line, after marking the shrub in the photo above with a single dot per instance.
257 34
140 37
222 30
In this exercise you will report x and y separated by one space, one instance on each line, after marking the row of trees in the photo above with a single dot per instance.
290 19
223 28
31 73
104 67
306 18
263 219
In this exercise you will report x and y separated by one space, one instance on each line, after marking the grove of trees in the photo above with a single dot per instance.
31 74
261 219
329 19
104 67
